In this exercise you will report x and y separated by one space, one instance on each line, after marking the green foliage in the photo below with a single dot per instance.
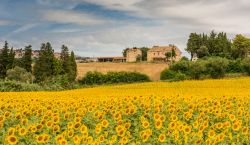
19 74
217 66
167 74
213 44
124 52
179 77
44 65
26 59
197 69
144 51
241 46
113 77
246 65
13 86
234 66
93 78
65 59
6 60
138 58
181 66
57 67
184 58
168 55
73 67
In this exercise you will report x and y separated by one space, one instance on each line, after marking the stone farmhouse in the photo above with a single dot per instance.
154 54
157 53
133 54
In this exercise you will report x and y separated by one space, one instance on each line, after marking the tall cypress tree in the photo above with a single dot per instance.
44 65
65 59
6 60
11 59
26 59
73 70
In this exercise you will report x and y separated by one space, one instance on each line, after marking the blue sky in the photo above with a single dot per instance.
105 27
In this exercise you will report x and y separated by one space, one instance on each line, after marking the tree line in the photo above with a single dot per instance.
44 68
218 44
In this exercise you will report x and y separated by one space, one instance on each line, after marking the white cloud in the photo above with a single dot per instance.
25 27
71 17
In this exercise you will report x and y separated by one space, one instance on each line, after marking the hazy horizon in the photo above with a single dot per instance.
106 27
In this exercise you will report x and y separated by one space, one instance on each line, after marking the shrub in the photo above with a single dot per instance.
181 66
197 69
235 66
19 74
184 58
14 86
246 65
217 66
167 74
180 77
113 77
93 78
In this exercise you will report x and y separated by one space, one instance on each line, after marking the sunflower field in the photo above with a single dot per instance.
189 112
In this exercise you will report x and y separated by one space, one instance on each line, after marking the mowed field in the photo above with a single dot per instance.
153 70
190 113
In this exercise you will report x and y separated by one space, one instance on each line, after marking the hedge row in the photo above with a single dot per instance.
213 67
92 78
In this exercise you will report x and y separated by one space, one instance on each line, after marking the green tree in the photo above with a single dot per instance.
65 60
19 74
241 46
138 58
73 69
43 68
168 55
26 59
194 43
124 52
202 52
144 51
6 60
57 67
11 59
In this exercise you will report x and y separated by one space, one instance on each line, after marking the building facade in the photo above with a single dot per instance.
133 54
158 53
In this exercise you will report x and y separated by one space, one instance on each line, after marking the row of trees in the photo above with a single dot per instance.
6 60
213 44
45 67
210 67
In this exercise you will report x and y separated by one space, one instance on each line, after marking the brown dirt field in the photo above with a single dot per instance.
153 70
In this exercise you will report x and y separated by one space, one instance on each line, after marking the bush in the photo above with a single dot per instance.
184 58
197 69
179 77
167 74
235 66
246 65
19 74
14 86
217 66
181 66
92 78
